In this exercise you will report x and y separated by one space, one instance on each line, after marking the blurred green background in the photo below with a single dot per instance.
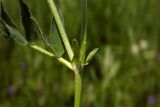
124 73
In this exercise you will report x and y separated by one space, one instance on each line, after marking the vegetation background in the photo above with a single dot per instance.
124 73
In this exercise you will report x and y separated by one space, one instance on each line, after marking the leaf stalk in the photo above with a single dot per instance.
62 60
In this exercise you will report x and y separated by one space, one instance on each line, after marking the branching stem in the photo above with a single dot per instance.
62 60
61 28
78 80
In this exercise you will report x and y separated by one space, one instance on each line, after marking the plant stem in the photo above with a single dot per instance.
62 60
61 28
78 86
83 30
78 80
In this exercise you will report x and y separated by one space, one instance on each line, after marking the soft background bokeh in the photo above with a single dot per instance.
124 73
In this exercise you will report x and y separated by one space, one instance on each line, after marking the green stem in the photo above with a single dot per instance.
62 60
83 30
78 86
61 28
78 83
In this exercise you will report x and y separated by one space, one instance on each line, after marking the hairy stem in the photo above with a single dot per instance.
61 28
62 60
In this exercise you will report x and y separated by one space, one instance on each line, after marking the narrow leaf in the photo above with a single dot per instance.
4 15
75 47
3 30
32 30
91 55
17 36
13 33
8 28
83 30
56 41
84 17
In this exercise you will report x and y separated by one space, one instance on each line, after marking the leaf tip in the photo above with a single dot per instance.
91 55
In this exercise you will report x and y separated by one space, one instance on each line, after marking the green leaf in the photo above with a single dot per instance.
56 41
3 30
4 15
83 30
75 47
32 30
12 32
91 55
17 36
8 28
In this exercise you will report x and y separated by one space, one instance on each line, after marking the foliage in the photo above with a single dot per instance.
123 73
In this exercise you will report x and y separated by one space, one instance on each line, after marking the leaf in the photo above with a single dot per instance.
5 17
32 30
3 30
17 36
13 33
90 56
75 47
56 41
84 17
8 28
83 30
